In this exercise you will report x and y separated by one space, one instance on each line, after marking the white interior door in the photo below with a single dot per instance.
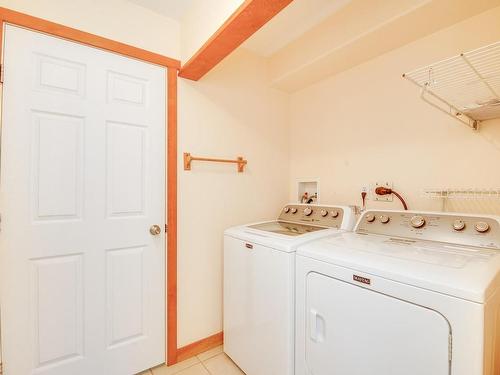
356 331
82 281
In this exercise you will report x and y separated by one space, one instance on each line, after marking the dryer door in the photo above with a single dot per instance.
355 331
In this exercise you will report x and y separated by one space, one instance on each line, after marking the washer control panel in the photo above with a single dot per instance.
326 216
469 230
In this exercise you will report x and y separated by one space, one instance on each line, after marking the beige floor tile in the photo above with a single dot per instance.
175 369
148 372
221 364
198 369
210 353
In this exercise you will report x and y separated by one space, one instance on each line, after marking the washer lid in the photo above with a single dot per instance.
297 224
470 273
286 228
287 241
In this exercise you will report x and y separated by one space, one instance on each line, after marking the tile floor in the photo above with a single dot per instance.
211 362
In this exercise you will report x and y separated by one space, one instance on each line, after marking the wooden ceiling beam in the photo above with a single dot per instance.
243 23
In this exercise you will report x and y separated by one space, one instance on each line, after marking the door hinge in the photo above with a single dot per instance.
450 348
1 73
166 228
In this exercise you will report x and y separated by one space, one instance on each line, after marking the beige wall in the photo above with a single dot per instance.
230 112
201 21
368 124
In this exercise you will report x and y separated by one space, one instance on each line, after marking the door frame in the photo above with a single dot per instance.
172 66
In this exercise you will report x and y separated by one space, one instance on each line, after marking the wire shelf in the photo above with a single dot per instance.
466 87
463 194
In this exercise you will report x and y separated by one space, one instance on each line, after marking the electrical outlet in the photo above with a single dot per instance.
381 198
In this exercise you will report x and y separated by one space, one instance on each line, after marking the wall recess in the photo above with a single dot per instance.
308 191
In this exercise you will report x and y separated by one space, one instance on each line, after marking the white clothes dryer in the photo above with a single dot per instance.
259 277
405 293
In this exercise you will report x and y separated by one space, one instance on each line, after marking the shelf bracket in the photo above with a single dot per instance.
452 111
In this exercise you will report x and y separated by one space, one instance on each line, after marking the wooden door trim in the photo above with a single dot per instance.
243 23
8 16
172 217
65 32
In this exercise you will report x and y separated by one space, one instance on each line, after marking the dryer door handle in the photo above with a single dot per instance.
316 326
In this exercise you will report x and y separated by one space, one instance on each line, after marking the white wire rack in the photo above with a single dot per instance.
466 87
466 194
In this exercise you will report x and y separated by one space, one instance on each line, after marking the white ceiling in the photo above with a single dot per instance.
171 8
290 24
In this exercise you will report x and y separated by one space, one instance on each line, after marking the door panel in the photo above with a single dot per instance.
126 162
59 75
82 281
60 166
58 332
127 89
125 292
355 331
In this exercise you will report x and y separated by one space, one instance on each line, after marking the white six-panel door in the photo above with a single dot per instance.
82 181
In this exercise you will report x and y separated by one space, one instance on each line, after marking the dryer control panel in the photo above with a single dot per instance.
461 229
325 216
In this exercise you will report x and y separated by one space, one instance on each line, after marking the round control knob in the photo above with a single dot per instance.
286 209
334 213
459 225
324 213
482 226
308 211
294 210
417 221
384 219
370 218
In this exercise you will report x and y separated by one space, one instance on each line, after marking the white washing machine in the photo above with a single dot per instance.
405 293
259 276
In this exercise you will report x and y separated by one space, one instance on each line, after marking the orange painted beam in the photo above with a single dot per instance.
248 18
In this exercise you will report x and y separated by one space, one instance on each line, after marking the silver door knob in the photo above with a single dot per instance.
155 230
